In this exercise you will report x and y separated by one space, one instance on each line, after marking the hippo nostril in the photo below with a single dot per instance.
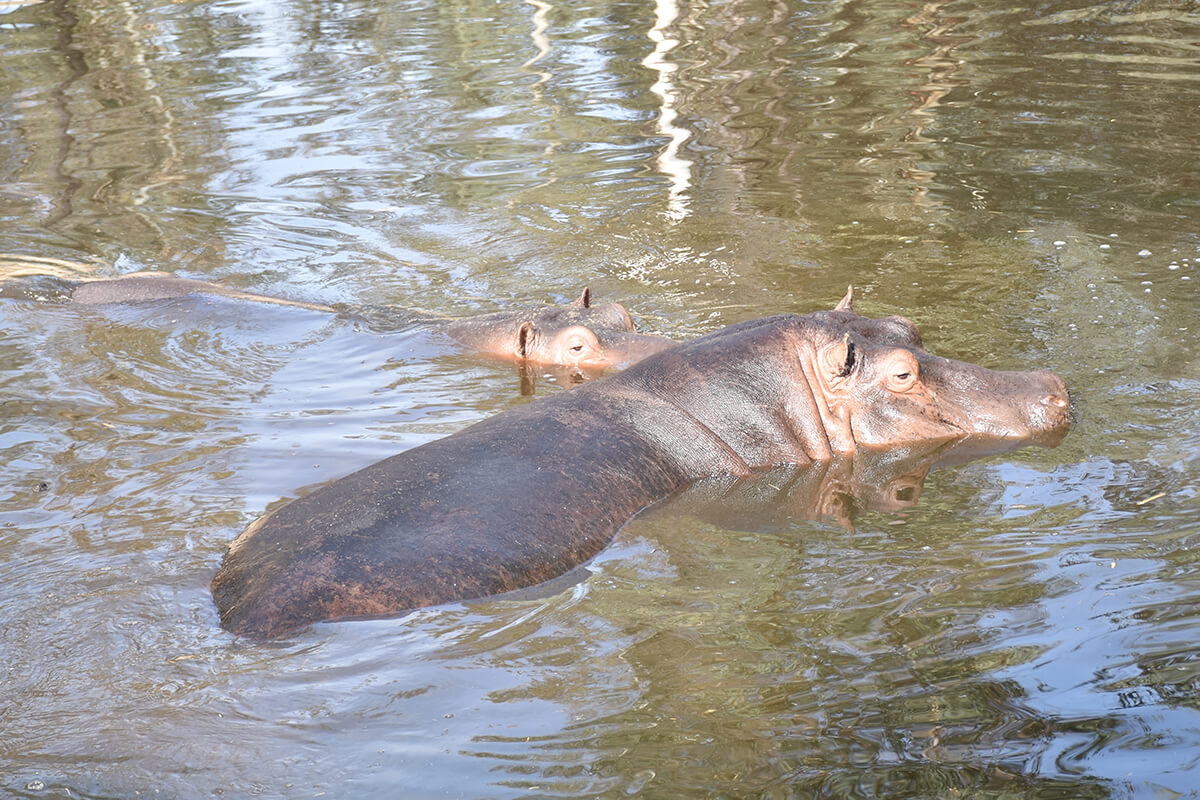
1055 401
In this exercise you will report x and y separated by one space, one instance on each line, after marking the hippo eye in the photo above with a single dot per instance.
902 381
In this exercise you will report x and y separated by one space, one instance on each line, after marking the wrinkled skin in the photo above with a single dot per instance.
579 339
533 492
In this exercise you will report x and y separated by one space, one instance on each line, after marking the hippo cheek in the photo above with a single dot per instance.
884 419
622 349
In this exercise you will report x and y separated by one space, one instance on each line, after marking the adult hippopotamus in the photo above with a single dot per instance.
583 338
526 495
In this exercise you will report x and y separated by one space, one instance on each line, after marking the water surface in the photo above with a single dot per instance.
1019 179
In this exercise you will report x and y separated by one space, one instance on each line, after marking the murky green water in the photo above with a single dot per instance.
1022 180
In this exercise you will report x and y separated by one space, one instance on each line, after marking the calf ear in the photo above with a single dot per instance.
526 335
846 302
585 298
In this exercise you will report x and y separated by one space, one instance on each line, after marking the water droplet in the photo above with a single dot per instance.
1144 252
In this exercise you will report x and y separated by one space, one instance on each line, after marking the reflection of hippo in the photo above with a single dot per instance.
870 479
528 494
579 336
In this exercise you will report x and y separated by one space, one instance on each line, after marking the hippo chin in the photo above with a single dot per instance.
526 495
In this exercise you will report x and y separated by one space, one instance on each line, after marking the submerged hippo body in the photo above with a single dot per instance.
583 338
530 493
142 286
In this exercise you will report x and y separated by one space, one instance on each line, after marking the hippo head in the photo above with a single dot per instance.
582 351
876 386
580 337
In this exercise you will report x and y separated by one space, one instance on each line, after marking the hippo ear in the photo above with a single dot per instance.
838 359
847 302
585 298
526 335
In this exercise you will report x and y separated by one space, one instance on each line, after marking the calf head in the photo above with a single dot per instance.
580 349
578 336
570 335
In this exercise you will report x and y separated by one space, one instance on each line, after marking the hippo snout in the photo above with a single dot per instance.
1052 413
1057 398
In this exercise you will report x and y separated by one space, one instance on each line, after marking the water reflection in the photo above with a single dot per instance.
837 491
801 660
944 67
541 43
675 167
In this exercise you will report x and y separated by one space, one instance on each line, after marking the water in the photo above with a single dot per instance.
1018 179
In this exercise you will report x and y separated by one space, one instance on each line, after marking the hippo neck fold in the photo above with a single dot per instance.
769 410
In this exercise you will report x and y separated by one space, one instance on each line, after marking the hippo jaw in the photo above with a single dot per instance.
889 394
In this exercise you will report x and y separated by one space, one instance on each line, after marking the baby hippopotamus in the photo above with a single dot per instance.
583 338
529 494
579 335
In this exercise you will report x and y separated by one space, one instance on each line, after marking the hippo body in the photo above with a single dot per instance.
533 492
583 338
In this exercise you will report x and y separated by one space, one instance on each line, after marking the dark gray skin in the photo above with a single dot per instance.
580 339
533 492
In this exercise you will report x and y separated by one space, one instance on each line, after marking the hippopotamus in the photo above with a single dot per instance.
583 338
533 492
580 336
